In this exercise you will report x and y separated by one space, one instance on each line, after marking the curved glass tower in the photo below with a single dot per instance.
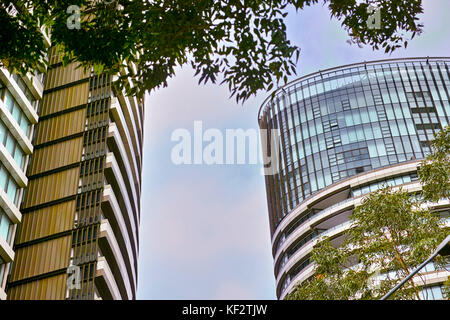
344 132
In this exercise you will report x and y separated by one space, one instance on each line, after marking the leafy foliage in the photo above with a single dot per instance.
392 233
23 47
446 289
435 171
243 42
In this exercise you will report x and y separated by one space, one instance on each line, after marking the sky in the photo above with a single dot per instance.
204 230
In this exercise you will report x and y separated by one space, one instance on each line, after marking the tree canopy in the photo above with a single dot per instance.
392 232
435 171
242 43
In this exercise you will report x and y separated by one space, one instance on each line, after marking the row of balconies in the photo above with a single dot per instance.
116 276
116 271
338 211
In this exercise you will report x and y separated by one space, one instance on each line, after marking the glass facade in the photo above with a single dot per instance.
26 91
11 145
8 185
351 120
13 107
432 293
337 124
6 227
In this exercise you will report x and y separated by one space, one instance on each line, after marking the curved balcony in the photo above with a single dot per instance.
115 179
115 144
311 223
13 168
111 250
10 208
285 284
36 87
6 252
323 197
431 277
119 120
105 281
128 114
303 251
134 104
111 210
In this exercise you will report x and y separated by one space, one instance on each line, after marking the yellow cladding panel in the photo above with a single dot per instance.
46 221
60 76
45 256
53 288
54 56
52 187
64 99
59 127
56 156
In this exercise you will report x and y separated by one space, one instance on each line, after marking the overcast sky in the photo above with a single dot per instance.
204 230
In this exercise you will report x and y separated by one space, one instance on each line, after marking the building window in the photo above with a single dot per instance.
8 185
6 227
27 92
11 145
431 293
16 111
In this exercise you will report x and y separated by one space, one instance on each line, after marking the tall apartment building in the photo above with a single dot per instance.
79 216
344 132
19 98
